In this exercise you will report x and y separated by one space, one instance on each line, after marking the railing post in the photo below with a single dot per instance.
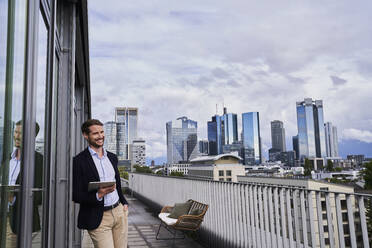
330 221
363 222
320 219
340 226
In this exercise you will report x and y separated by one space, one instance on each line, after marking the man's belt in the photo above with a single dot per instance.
106 208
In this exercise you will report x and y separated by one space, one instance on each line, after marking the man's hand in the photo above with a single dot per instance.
107 190
125 207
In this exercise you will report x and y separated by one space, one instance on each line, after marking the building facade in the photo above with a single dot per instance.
251 138
44 99
204 147
310 124
331 140
223 167
222 130
138 152
110 136
126 119
295 146
182 140
278 136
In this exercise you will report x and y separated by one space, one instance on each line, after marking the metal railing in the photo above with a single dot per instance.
259 215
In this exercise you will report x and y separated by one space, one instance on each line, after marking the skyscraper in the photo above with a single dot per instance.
222 130
110 136
278 136
182 140
295 146
331 140
310 124
203 147
126 127
251 138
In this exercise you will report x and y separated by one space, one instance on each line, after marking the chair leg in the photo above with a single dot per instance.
157 234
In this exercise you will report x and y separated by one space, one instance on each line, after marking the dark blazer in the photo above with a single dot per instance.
37 198
84 171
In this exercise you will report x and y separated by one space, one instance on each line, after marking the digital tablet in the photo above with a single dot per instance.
96 185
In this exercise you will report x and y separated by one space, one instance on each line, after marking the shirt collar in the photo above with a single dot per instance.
94 153
13 155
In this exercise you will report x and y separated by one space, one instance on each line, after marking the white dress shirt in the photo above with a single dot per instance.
106 173
14 167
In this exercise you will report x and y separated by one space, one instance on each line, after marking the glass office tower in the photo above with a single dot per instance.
251 138
44 99
110 136
215 135
331 140
182 140
310 124
278 136
222 130
126 120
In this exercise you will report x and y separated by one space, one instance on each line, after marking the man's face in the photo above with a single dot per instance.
96 136
18 136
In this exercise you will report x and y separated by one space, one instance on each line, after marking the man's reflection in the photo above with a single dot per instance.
15 180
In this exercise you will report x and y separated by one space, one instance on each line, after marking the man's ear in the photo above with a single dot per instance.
85 136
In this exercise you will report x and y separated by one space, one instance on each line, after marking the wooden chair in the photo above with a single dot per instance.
185 222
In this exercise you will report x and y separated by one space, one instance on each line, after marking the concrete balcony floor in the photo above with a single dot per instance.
143 226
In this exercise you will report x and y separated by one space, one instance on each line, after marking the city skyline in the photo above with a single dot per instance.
182 59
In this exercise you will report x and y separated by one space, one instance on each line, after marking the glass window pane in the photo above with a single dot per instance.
12 54
40 134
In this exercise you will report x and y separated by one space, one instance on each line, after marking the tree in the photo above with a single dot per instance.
176 174
123 173
308 167
142 169
330 166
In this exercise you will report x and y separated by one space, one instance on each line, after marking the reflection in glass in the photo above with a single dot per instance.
12 52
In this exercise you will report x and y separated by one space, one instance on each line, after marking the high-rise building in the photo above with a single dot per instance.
222 130
295 146
278 136
182 140
251 138
138 152
214 135
204 147
331 140
310 124
126 127
110 136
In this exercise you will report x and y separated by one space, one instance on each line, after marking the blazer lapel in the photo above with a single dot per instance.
91 164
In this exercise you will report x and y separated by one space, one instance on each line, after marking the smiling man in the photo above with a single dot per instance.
103 212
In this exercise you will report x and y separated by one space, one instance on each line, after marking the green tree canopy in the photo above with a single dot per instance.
330 166
308 167
176 174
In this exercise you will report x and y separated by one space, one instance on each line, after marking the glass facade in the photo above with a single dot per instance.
35 113
278 136
251 138
182 140
222 130
310 124
126 119
331 140
110 136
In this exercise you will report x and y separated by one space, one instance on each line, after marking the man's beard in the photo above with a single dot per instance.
94 144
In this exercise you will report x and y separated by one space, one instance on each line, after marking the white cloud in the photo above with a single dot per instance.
171 59
361 135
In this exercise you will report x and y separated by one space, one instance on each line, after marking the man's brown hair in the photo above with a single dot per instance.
88 123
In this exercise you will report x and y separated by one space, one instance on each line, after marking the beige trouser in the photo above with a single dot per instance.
11 238
113 230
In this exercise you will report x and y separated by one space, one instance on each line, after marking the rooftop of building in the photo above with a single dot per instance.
214 157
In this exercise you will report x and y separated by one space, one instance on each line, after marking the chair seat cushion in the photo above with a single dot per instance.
169 221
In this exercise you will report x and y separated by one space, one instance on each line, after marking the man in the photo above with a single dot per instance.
103 212
15 179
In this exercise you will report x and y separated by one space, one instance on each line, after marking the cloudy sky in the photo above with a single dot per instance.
181 58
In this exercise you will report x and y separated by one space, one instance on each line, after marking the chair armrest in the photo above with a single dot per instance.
188 222
166 209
